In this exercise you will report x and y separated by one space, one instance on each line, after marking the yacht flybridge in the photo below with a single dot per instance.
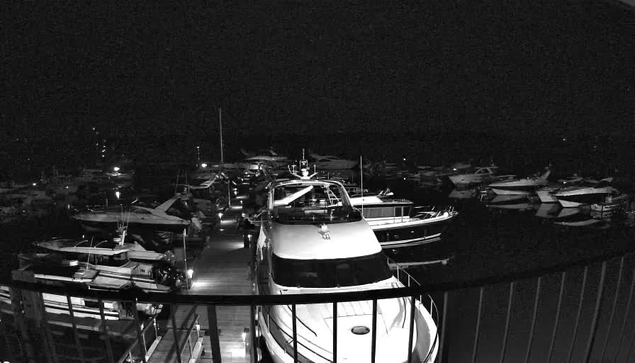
313 240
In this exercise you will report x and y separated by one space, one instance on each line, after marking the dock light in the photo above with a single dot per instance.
244 334
116 169
190 273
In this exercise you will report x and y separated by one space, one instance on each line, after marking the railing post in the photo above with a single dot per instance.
478 323
214 340
139 334
577 318
335 318
617 294
373 343
176 333
295 332
507 318
104 327
596 313
533 319
411 327
443 321
254 337
628 309
557 319
78 345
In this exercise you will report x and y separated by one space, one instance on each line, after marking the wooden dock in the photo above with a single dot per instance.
221 268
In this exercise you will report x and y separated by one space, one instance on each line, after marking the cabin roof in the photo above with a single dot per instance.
309 241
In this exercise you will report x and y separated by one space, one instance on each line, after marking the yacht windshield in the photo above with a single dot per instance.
330 273
317 202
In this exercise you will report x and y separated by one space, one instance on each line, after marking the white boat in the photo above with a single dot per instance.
166 217
583 195
255 161
612 203
479 175
398 223
56 270
546 192
331 162
524 186
313 240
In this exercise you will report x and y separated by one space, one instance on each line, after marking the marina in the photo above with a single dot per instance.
222 260
278 182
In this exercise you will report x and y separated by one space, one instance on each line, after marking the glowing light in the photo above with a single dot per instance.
190 273
220 215
117 194
204 165
116 169
34 184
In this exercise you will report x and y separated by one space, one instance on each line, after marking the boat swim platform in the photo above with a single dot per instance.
220 268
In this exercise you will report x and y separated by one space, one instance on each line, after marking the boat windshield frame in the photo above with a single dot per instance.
330 273
311 201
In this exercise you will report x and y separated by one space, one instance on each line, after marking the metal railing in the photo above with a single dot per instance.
580 312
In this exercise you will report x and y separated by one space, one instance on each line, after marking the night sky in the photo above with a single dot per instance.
514 67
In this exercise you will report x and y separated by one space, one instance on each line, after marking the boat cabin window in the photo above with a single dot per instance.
330 273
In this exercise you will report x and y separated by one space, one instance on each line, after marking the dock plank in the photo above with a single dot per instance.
221 268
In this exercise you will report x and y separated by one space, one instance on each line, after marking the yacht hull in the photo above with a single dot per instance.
503 191
409 234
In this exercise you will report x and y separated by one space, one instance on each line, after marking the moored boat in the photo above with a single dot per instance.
313 240
398 223
524 186
584 195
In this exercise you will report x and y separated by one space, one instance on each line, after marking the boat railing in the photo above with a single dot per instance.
425 299
579 311
286 340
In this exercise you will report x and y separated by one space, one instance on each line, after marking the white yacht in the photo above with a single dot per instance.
524 186
583 195
332 162
398 223
312 240
169 216
478 175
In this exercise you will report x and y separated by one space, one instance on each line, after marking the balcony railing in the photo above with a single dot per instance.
575 313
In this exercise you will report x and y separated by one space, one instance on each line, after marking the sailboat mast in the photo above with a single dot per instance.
220 123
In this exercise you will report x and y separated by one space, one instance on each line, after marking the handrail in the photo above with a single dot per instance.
286 299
